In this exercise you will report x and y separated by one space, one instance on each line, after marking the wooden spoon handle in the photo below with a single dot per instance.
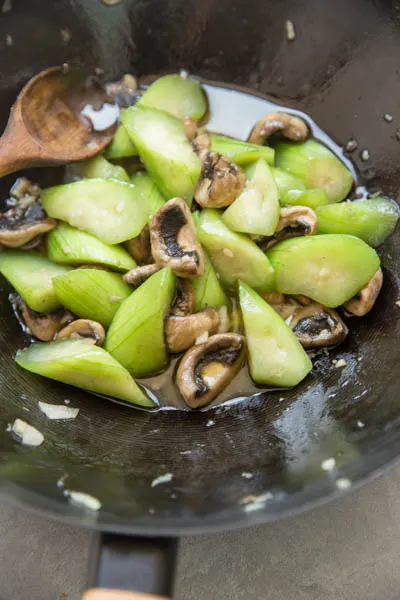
103 594
17 149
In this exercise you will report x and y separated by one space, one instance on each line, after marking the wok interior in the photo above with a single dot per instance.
340 69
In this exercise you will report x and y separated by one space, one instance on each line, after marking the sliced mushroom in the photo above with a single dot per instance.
206 369
140 248
43 326
202 146
221 182
139 275
83 328
361 304
19 229
125 92
182 332
285 306
174 240
317 327
190 126
184 300
303 300
294 221
292 128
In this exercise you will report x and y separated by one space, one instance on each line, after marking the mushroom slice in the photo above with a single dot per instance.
174 240
285 306
43 326
206 369
139 275
294 221
139 247
184 300
317 327
361 304
83 328
182 332
202 146
221 182
190 126
292 128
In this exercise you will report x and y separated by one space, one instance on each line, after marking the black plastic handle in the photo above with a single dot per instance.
137 564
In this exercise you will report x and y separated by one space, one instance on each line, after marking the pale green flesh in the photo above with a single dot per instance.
275 355
241 153
311 198
256 210
92 293
165 151
316 166
208 290
234 255
84 365
32 277
146 186
136 335
97 168
68 245
330 269
179 96
121 145
112 211
287 182
371 220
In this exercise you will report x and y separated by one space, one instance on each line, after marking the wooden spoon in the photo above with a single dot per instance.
46 126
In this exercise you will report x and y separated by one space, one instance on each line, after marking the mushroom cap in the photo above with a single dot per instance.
83 328
139 275
361 304
139 247
294 221
221 182
206 369
42 326
291 127
184 301
181 332
317 327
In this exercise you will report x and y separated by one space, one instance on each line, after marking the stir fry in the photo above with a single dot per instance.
182 241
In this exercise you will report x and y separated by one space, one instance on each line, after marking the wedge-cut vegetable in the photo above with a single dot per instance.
371 220
164 149
112 211
97 168
241 153
256 210
330 269
276 357
287 182
146 186
179 96
234 255
136 335
84 365
32 276
208 290
310 198
92 293
70 246
316 166
121 145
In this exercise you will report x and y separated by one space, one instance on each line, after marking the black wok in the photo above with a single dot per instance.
343 70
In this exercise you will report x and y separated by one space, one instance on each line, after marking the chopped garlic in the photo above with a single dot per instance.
58 411
210 423
161 479
228 252
340 363
290 31
82 499
328 464
397 303
343 483
29 436
247 475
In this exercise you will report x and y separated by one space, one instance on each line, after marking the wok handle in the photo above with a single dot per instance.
121 564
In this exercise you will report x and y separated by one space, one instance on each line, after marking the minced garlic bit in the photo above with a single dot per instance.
7 6
365 155
328 464
210 423
360 424
339 364
388 117
130 82
66 35
58 411
28 435
9 40
343 483
83 500
290 31
161 479
247 475
397 303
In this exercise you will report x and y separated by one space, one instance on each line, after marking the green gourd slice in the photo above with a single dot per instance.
179 96
241 153
208 291
121 145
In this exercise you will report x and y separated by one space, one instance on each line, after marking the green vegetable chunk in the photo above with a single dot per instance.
371 220
256 210
179 96
121 145
276 357
146 186
207 290
70 246
241 153
287 182
80 363
136 335
32 276
92 293
330 269
310 198
165 151
316 166
234 255
112 211
97 168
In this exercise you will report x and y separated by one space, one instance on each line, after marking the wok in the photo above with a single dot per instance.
260 459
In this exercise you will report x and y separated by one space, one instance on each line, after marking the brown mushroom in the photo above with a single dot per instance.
292 128
206 369
43 326
184 300
284 305
363 302
221 182
140 248
139 275
202 145
182 332
83 328
174 240
124 92
294 221
316 326
190 126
